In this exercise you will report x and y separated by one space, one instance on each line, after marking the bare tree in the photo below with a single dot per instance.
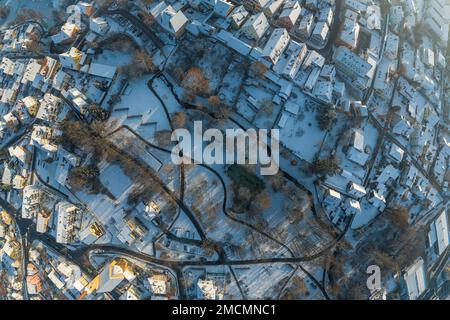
143 60
179 119
258 69
195 81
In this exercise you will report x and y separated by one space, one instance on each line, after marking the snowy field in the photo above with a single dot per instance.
140 109
302 135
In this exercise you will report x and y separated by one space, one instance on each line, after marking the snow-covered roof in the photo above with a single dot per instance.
234 43
373 17
258 24
348 61
352 186
320 32
276 44
223 8
239 15
350 32
356 5
353 204
168 18
272 7
291 12
332 195
358 140
65 222
439 228
392 43
102 70
396 153
389 172
414 277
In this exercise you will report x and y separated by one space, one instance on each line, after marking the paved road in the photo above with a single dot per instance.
221 261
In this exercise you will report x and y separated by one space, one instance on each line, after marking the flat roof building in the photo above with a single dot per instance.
275 46
291 12
256 26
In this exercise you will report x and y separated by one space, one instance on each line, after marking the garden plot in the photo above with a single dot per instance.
140 109
300 286
299 131
301 135
184 228
231 84
113 178
207 56
288 217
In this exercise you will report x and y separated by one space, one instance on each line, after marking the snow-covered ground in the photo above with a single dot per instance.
44 7
140 109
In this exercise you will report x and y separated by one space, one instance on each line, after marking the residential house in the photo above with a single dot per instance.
276 45
238 16
99 25
306 26
223 8
256 26
169 19
291 12
68 220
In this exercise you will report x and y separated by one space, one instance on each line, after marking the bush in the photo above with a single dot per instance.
98 113
328 166
325 118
